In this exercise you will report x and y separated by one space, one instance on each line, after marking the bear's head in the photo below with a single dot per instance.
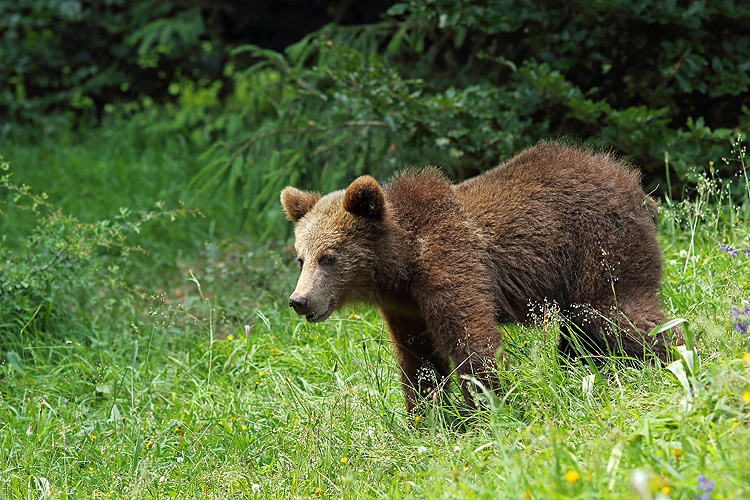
336 239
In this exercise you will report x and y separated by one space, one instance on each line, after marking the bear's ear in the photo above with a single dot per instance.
364 197
297 203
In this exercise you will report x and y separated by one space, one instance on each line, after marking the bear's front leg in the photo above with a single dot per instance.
423 372
464 329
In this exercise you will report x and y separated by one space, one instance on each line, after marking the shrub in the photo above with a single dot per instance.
468 84
61 266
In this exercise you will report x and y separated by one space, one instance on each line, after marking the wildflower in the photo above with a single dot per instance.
149 444
639 479
318 490
705 486
683 253
746 357
746 396
93 438
572 476
732 250
665 490
416 419
255 488
230 337
421 450
526 495
343 460
735 424
177 429
677 452
740 318
244 427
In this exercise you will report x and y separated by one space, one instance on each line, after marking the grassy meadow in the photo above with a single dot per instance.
193 379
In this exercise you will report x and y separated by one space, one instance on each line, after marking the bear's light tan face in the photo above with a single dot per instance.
320 241
336 238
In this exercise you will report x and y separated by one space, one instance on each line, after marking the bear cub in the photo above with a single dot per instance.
447 263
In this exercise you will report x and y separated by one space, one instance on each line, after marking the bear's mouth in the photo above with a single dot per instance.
319 316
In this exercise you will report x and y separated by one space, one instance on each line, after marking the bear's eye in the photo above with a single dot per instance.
327 260
300 262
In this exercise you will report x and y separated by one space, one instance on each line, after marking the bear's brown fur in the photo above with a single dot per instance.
447 263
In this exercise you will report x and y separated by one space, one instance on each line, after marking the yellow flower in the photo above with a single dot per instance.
734 425
149 444
260 374
677 452
93 438
526 495
177 429
343 460
665 490
416 419
230 337
572 476
746 396
746 357
244 427
318 490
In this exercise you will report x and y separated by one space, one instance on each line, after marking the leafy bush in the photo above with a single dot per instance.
59 269
467 84
78 55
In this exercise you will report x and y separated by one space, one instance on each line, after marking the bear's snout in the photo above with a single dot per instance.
299 304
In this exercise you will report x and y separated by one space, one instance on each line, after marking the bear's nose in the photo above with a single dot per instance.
298 303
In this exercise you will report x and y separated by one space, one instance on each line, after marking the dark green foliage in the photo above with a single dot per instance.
78 55
467 84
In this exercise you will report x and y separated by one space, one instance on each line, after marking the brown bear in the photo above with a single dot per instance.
447 263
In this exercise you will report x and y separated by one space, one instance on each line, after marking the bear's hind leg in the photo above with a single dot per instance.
606 329
638 318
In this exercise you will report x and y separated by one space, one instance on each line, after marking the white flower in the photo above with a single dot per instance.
456 449
683 254
180 460
639 480
672 262
255 488
422 450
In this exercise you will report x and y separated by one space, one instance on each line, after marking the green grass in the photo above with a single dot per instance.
180 399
